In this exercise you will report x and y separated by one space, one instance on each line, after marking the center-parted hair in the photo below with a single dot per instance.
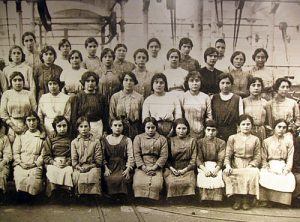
73 52
236 53
258 51
16 47
173 50
14 74
225 76
120 45
153 40
159 76
245 117
192 74
45 49
28 34
181 121
150 119
142 50
252 80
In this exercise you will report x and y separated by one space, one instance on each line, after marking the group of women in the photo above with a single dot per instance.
106 125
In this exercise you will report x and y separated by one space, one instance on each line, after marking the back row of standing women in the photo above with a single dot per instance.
116 88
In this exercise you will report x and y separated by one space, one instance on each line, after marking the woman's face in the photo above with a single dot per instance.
159 85
29 43
280 129
154 49
194 84
117 127
174 60
108 59
62 128
17 83
121 53
91 48
238 61
186 49
65 49
90 84
181 130
16 55
128 83
140 59
53 87
150 129
212 59
246 126
84 128
225 85
255 88
48 57
75 61
283 89
32 123
210 132
260 59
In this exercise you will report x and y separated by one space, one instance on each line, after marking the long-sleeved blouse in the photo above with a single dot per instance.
242 151
196 109
275 148
5 149
57 146
211 150
129 106
28 148
166 107
17 104
189 64
149 151
86 151
91 63
182 153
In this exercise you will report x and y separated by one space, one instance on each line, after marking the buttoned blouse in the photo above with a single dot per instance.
257 109
27 148
275 148
129 106
150 150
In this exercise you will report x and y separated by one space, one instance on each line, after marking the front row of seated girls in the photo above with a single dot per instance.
152 162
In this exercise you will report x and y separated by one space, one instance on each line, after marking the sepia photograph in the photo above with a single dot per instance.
149 110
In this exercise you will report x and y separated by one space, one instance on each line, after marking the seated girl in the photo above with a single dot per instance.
118 159
28 158
86 153
211 154
179 174
5 156
150 153
242 158
57 156
277 182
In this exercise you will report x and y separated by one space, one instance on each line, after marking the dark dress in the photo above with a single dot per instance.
209 83
42 75
116 160
226 114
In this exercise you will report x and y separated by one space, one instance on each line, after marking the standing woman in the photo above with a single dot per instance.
226 107
179 174
196 105
121 65
209 73
283 107
163 106
257 108
52 104
150 154
128 104
16 104
28 157
276 179
32 55
91 104
175 74
45 70
109 82
240 77
17 58
260 57
156 63
143 76
71 76
64 47
242 158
